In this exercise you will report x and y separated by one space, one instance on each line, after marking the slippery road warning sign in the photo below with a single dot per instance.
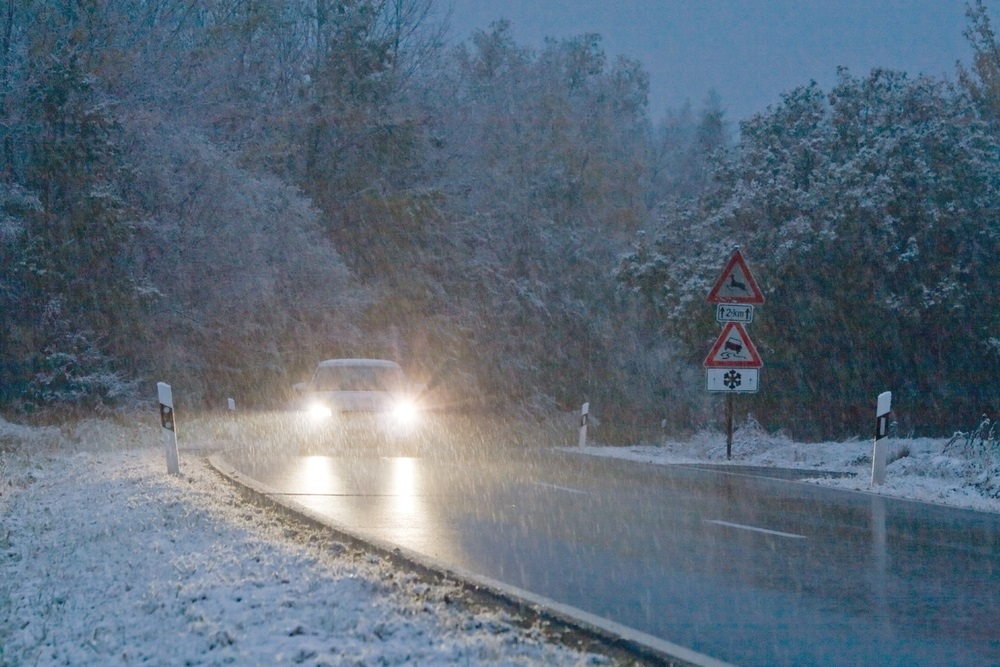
733 349
736 284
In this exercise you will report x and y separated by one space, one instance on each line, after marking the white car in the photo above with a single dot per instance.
357 401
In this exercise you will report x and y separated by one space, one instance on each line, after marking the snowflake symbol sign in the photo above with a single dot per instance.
732 379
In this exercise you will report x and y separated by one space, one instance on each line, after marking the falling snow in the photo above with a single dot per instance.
108 560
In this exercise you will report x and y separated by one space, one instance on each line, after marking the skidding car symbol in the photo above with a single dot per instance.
733 348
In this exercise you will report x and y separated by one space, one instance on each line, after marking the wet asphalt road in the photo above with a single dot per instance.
746 569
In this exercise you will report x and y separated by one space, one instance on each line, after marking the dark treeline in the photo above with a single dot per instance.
219 193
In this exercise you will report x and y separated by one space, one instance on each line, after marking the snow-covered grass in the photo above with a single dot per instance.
960 472
107 560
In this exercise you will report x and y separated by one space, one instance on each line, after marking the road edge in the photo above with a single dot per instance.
613 635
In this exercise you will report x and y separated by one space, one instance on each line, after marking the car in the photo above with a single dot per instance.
360 402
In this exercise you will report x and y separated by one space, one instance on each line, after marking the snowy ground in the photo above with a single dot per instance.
965 474
107 560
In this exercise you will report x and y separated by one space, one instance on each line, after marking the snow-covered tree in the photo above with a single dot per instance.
541 158
870 215
74 265
248 291
683 149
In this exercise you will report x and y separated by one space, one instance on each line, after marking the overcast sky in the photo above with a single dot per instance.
748 51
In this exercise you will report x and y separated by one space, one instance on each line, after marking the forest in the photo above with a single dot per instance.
220 193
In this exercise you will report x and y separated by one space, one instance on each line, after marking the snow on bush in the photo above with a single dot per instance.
980 450
14 436
750 440
15 441
961 472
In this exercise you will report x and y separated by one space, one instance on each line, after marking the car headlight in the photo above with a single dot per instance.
319 411
405 412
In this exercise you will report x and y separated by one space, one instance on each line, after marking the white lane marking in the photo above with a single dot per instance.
561 488
755 529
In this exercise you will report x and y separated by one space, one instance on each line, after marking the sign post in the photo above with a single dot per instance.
729 427
167 422
733 365
882 409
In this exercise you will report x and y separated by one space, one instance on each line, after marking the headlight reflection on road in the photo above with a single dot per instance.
414 518
404 485
387 495
317 475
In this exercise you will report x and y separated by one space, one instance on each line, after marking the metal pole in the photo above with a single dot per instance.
729 426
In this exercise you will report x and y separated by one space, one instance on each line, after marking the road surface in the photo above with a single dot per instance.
746 569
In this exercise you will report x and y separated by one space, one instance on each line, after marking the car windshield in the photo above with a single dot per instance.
358 378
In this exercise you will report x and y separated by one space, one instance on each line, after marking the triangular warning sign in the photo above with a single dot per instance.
736 284
733 349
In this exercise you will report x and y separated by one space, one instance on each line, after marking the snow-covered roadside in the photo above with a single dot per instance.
107 560
919 468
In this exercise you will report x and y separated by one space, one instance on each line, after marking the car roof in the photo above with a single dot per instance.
359 362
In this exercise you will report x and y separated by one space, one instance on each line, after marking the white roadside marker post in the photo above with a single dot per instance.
231 404
584 419
167 422
882 410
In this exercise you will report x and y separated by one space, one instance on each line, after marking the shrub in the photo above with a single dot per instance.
980 446
76 374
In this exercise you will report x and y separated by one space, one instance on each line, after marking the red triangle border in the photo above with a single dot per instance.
756 296
753 362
